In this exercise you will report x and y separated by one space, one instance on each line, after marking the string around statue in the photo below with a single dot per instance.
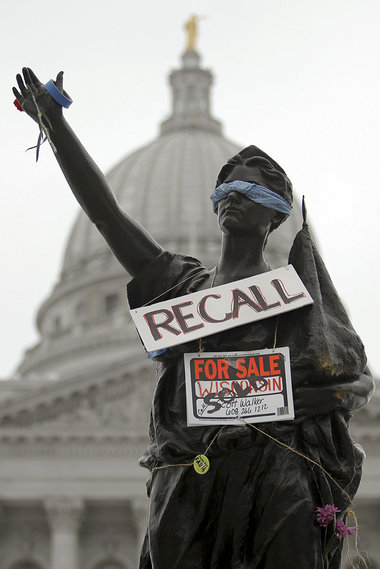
62 98
44 134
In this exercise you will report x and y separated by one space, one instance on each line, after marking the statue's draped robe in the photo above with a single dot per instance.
255 508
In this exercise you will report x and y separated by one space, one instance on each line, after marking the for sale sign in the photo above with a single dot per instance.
224 387
206 312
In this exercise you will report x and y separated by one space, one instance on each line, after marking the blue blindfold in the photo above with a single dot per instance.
254 192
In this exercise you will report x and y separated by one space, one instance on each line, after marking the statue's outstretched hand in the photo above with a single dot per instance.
33 96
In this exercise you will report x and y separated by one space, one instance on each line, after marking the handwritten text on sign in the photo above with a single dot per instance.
223 387
206 312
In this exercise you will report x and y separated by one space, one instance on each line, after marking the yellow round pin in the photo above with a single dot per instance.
201 464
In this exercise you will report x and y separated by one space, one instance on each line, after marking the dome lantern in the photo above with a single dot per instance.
191 97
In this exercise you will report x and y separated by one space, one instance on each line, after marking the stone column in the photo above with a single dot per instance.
140 509
65 516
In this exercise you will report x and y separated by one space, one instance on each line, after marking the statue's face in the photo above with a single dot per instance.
238 215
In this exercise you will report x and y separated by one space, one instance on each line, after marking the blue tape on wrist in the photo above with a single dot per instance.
59 97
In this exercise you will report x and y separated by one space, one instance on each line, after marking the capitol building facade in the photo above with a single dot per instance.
74 423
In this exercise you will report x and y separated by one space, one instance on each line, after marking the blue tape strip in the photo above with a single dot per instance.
156 353
59 97
254 192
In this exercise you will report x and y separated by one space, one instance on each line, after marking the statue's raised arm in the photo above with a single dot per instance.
133 246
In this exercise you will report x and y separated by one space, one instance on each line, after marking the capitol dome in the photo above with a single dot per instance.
165 185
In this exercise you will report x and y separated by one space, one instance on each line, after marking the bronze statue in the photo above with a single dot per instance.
255 508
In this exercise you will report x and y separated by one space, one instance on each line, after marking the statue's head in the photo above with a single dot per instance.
259 177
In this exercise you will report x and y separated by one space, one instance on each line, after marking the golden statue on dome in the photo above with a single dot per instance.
191 28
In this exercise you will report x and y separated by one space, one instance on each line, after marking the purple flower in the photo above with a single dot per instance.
326 514
342 529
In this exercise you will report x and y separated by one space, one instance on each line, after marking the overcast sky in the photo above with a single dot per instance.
298 78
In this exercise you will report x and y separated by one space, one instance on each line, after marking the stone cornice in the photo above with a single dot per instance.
63 393
107 448
58 434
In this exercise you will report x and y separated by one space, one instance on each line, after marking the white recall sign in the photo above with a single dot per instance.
222 387
206 312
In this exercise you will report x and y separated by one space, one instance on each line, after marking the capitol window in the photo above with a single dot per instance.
81 311
58 324
112 302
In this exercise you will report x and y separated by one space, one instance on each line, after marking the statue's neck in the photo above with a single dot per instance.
241 257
